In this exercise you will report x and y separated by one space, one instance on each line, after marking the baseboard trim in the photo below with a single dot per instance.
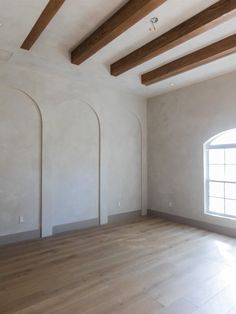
124 217
75 226
231 232
19 237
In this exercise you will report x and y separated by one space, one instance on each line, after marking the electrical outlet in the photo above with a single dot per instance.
170 204
119 204
21 219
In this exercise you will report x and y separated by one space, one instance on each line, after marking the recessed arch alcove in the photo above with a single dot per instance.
20 163
73 157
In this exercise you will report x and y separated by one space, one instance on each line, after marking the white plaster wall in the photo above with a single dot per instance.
20 162
178 125
71 140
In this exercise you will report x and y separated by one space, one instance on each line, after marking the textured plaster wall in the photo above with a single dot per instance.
20 162
178 125
93 147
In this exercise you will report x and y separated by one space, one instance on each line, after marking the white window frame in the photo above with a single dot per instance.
207 147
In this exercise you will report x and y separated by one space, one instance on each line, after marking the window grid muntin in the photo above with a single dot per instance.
208 181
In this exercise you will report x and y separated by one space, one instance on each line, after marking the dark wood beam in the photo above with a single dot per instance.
205 55
123 19
48 13
198 24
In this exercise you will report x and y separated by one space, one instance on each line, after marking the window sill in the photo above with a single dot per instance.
212 214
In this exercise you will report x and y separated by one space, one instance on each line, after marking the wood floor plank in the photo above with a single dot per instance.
144 267
220 303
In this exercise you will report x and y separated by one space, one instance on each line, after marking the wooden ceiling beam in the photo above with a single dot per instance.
123 19
46 16
214 15
205 55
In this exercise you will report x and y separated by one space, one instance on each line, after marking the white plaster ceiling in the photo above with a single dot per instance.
78 18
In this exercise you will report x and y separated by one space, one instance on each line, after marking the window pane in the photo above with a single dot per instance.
230 190
216 156
230 156
216 172
230 207
216 189
228 137
230 173
216 205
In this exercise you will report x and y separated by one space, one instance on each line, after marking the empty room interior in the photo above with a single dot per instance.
117 156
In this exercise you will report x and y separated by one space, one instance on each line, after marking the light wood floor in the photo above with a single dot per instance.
149 266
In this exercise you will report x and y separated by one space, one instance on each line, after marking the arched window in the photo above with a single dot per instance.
220 174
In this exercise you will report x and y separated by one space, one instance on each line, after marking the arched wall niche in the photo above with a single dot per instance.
20 163
73 139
